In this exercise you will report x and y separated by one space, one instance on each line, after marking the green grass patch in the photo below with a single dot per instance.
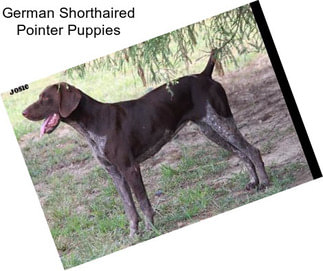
85 212
81 204
199 164
193 200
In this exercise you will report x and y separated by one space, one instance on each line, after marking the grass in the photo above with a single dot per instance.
104 86
85 213
82 206
124 87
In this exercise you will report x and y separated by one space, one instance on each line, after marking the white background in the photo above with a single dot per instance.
283 231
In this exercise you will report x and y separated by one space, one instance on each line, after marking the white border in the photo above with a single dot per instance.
280 232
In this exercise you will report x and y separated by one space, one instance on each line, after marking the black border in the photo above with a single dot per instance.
286 90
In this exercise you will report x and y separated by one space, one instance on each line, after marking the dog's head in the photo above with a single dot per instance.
55 102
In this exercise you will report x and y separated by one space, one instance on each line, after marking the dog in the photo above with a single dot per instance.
124 134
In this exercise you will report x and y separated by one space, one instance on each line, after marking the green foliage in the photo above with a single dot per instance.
232 33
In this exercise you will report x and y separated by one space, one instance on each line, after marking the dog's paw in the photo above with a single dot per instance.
255 185
251 185
262 186
133 233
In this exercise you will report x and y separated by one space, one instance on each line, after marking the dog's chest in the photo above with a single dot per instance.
96 142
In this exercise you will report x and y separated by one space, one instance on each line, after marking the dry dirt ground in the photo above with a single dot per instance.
189 179
261 114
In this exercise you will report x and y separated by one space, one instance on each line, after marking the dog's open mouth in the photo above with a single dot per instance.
49 124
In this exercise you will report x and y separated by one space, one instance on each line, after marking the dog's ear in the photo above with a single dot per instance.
69 98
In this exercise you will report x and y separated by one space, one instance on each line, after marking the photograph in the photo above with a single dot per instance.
157 136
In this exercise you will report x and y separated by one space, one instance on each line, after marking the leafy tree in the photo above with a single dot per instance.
231 33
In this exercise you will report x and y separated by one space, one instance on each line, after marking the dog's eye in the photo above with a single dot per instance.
43 99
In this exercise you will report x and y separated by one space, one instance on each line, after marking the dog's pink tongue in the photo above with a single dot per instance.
43 126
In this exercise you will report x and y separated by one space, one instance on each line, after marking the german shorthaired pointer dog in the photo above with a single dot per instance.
124 134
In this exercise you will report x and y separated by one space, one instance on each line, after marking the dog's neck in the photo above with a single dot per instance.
84 117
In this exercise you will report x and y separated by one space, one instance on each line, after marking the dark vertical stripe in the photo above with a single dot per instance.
286 90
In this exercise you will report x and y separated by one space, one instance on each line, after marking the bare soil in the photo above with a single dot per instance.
261 114
72 185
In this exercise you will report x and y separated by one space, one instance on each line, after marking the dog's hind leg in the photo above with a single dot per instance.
213 136
226 128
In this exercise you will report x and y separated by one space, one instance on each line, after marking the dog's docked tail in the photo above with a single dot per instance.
210 65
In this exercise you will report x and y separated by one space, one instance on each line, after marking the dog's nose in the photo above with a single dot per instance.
24 113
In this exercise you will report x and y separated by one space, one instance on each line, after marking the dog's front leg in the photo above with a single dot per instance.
125 194
134 179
